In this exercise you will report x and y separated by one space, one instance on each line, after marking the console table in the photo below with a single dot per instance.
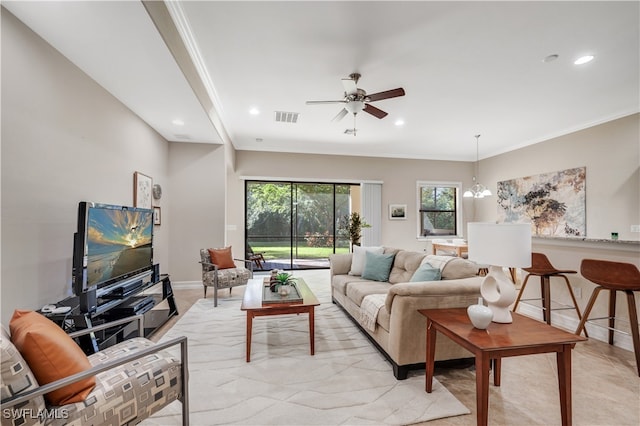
155 314
525 336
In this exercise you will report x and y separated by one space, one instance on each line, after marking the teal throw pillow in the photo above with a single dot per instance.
426 272
377 266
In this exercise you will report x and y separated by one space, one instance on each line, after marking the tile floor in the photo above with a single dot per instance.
606 387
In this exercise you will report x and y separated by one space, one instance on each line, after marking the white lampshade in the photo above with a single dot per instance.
500 244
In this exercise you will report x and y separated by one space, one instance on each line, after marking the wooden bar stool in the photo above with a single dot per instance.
542 267
613 276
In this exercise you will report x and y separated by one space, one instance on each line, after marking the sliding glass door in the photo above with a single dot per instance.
295 225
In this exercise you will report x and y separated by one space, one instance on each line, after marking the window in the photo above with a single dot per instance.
438 213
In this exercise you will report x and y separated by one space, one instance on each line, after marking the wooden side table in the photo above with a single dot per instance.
525 336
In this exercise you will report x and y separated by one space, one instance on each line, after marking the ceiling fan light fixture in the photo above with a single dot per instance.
354 107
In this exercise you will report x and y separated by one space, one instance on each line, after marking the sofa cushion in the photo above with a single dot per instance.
404 266
356 291
222 257
426 272
459 268
51 354
18 378
377 266
358 259
340 282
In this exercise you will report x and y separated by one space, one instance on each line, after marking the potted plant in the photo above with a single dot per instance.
352 226
285 280
281 279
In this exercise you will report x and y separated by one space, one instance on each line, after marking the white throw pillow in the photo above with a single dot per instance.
359 256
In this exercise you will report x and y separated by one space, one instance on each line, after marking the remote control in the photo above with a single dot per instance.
48 308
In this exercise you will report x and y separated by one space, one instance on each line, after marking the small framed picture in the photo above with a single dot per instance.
397 211
156 215
142 190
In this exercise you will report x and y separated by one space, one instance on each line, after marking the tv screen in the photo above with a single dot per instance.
113 243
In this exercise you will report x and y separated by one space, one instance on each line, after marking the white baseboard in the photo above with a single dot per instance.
186 284
567 322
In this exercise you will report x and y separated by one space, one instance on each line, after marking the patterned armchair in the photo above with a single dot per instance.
134 379
223 276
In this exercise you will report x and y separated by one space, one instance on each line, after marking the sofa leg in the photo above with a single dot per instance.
400 371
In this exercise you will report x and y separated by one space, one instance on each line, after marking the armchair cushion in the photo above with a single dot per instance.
230 277
136 390
222 257
51 354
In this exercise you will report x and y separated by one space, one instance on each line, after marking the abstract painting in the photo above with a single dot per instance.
554 203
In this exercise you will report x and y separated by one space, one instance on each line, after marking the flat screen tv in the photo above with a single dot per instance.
113 245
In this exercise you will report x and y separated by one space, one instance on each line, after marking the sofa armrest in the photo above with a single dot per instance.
434 289
340 264
407 337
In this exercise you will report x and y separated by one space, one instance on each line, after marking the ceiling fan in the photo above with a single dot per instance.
357 100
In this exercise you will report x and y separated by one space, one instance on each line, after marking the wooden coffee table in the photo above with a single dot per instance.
525 336
252 303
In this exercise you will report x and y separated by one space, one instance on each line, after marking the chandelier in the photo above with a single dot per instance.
478 190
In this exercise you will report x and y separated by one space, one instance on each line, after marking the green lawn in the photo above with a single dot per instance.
302 252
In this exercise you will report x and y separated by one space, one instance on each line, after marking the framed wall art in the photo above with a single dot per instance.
553 203
397 211
156 215
142 190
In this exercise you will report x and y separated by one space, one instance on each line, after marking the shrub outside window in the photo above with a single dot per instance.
438 212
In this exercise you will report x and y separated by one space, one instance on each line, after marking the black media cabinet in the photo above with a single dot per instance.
154 300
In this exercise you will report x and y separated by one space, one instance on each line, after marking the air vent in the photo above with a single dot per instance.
181 136
287 117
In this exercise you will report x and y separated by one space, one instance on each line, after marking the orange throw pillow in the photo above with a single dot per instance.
222 258
51 355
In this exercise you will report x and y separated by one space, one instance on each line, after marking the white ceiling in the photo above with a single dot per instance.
467 68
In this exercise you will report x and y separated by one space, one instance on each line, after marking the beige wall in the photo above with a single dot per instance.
399 179
611 154
64 140
196 176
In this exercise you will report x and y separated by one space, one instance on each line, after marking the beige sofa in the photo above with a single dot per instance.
399 330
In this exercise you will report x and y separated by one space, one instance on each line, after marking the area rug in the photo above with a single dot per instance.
347 382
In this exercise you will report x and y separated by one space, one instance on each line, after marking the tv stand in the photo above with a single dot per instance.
154 300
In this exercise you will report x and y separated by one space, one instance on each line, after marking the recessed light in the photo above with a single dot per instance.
584 59
178 122
550 58
254 111
399 122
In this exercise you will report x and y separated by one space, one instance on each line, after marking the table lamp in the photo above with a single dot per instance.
499 245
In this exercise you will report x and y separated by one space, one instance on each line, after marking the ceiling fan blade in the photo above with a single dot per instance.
376 112
340 115
325 102
349 86
386 94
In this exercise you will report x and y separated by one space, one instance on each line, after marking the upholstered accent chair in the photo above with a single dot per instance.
223 276
133 380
